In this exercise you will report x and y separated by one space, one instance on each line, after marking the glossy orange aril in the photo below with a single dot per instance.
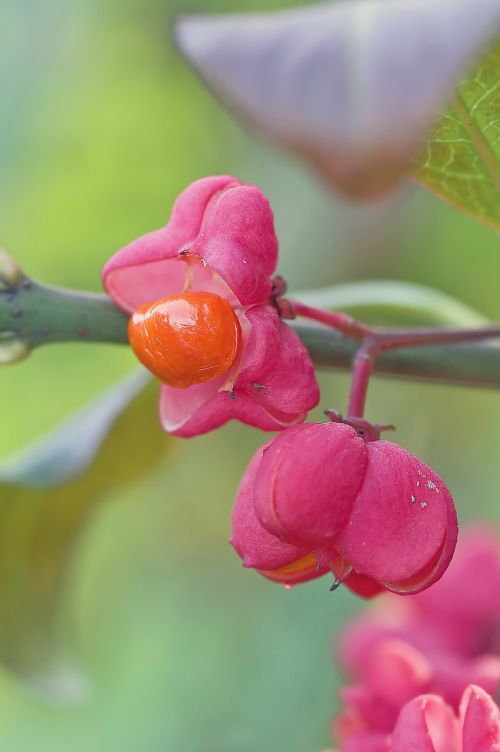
186 339
294 572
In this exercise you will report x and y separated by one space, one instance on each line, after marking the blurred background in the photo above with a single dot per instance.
163 641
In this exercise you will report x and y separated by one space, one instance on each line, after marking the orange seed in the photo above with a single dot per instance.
186 339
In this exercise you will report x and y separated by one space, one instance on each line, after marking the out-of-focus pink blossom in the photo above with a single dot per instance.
318 498
428 724
220 239
439 641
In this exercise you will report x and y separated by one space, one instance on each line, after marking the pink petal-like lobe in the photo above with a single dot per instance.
238 240
426 724
402 523
256 547
365 587
480 721
139 273
308 480
276 370
227 224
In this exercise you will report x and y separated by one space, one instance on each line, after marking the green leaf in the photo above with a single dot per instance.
390 303
40 523
462 163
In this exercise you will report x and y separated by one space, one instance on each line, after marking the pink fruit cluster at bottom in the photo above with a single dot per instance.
320 498
427 667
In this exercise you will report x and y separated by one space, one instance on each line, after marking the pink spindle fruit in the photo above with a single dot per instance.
320 498
218 252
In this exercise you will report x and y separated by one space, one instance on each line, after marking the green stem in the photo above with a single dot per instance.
469 364
34 314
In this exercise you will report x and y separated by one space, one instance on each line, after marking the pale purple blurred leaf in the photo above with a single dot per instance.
353 86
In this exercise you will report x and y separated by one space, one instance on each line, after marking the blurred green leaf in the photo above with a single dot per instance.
391 303
462 163
39 527
70 448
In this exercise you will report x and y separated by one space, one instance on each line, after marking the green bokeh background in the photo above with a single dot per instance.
171 645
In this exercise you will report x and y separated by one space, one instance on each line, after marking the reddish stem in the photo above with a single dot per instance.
375 340
335 320
362 369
